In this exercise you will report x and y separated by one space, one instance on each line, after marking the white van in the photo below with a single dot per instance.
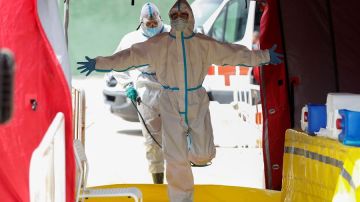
232 21
229 21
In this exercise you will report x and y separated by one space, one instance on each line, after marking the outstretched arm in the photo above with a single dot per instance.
233 54
133 57
124 60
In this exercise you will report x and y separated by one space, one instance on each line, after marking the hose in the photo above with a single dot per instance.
147 129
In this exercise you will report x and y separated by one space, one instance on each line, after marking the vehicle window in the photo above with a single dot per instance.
236 19
217 31
242 96
203 9
231 22
260 6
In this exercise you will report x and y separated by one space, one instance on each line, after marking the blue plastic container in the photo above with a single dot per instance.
316 117
350 125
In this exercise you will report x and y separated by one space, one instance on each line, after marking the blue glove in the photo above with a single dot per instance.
131 93
275 58
88 66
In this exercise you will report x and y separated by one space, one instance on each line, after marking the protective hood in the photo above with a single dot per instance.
183 6
150 11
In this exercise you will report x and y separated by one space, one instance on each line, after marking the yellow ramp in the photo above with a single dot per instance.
319 169
203 193
315 169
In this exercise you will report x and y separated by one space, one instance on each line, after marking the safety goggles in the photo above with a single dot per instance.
151 23
182 15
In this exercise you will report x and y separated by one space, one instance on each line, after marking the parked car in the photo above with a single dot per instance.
225 20
115 96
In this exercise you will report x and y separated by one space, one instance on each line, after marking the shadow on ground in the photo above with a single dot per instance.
130 132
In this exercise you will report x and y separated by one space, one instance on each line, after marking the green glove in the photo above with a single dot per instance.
131 93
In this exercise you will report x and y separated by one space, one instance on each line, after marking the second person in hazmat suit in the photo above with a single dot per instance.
148 89
181 60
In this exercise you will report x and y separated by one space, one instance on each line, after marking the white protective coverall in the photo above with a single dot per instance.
148 88
181 61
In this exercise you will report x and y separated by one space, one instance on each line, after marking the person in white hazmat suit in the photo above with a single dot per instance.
181 60
148 89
